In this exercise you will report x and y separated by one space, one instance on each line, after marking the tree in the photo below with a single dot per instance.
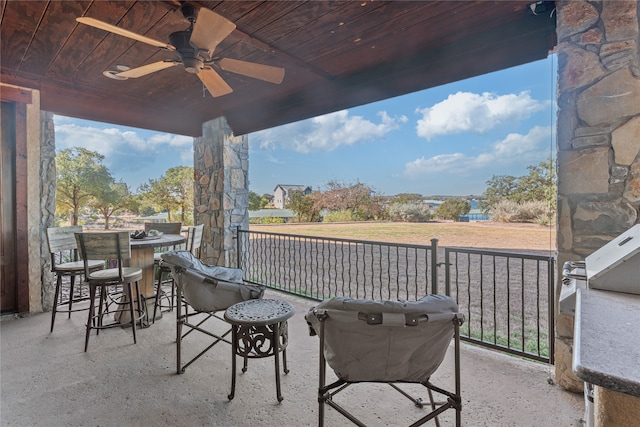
499 188
266 200
180 181
304 206
254 201
110 199
538 186
404 198
453 208
173 190
79 174
357 198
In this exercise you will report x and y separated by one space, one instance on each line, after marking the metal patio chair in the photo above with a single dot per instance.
393 342
65 263
203 291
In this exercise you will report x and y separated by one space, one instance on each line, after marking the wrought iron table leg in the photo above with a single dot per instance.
276 349
234 348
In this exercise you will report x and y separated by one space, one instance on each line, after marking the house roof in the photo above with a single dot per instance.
292 187
336 55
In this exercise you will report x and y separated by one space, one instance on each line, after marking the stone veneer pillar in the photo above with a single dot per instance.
598 138
221 191
47 202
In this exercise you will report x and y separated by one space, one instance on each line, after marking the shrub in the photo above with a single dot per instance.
340 216
266 220
409 212
537 212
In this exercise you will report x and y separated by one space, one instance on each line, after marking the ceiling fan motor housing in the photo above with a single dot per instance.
192 57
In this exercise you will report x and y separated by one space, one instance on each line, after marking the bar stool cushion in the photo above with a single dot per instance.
129 274
78 265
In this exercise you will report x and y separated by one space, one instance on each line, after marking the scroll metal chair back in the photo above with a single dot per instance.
113 246
393 342
65 263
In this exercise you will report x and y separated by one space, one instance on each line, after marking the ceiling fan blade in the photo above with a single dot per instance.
122 32
214 83
210 29
147 69
251 69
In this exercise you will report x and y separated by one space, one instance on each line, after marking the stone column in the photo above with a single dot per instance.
598 138
221 192
47 202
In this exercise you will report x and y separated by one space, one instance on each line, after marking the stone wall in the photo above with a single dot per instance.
47 202
221 192
598 137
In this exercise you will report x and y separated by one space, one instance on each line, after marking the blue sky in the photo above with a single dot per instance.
448 140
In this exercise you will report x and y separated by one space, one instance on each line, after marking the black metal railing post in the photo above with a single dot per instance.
434 266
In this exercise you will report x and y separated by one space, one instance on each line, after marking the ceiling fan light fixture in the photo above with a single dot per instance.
192 65
114 75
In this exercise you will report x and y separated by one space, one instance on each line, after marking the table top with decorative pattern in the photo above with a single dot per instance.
259 312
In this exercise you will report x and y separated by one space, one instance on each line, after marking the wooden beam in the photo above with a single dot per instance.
22 229
15 94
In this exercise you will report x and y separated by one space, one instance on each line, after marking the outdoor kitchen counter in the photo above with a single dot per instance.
607 340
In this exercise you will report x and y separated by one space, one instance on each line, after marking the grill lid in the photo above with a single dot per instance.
616 265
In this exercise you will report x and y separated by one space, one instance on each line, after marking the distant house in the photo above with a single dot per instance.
282 193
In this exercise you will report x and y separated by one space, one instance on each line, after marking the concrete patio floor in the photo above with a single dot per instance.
47 380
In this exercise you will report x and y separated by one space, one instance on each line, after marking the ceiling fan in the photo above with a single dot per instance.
194 49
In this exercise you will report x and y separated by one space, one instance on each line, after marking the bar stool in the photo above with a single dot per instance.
112 246
65 263
160 271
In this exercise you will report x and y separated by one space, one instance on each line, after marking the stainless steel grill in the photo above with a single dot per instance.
614 267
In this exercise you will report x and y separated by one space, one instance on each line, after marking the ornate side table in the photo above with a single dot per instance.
259 329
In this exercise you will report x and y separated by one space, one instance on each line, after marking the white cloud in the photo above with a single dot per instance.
326 133
134 155
466 111
517 149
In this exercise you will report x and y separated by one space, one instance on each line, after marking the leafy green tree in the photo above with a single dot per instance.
257 201
180 181
254 201
499 187
452 208
303 205
110 199
266 200
172 191
538 186
80 174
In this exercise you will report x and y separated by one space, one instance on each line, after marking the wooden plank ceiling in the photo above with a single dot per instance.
337 54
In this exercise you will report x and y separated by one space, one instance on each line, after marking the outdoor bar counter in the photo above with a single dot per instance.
607 353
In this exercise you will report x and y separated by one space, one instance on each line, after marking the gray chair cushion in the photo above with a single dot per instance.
208 288
186 259
388 350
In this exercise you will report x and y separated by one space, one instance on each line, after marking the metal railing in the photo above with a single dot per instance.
506 297
322 267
